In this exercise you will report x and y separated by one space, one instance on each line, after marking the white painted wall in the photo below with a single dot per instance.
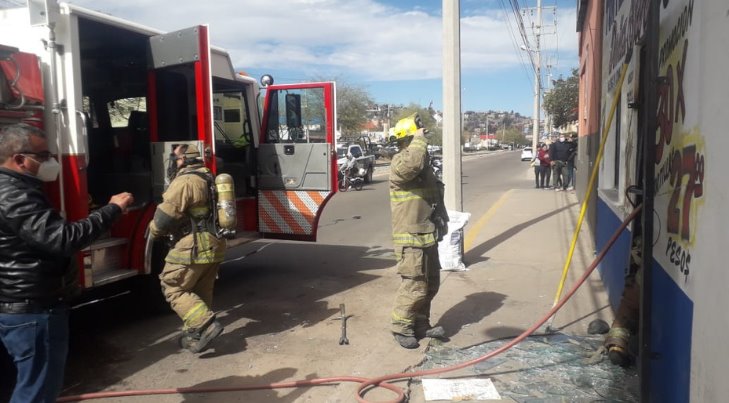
705 126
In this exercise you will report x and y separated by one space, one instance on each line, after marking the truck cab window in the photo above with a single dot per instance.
233 137
121 109
296 116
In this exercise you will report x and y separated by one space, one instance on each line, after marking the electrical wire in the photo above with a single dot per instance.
514 42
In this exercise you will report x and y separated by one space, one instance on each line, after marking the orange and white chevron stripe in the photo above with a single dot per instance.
289 211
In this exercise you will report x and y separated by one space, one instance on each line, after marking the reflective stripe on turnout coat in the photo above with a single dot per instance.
414 191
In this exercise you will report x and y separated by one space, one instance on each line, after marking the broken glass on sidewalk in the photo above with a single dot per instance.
546 368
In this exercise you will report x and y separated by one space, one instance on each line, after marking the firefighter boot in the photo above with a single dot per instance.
408 342
197 340
617 345
436 332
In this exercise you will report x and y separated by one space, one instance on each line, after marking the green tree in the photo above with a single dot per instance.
512 135
561 101
352 105
436 133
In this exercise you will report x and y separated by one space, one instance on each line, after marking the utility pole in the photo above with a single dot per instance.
503 132
452 105
547 89
536 52
537 77
487 125
386 124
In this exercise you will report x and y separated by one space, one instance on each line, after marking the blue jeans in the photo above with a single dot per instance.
38 344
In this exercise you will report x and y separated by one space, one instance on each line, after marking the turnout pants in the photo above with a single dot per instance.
189 290
419 270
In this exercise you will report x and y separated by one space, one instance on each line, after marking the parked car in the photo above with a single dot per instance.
526 154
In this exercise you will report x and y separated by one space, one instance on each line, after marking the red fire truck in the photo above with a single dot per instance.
114 96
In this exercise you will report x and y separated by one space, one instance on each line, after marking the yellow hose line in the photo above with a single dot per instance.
590 185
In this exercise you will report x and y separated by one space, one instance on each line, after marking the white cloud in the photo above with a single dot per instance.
358 38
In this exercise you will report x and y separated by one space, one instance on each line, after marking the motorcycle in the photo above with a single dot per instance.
436 163
354 180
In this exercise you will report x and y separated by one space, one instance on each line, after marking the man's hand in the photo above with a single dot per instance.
123 200
422 132
179 151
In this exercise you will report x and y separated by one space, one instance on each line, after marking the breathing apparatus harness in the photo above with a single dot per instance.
220 219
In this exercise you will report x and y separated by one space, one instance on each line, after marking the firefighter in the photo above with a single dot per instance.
191 266
624 329
419 220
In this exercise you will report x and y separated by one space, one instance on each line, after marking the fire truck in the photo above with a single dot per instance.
115 97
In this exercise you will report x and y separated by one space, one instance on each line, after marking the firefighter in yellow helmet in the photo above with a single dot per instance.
186 214
419 220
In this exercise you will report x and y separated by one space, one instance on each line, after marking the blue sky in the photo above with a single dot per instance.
391 48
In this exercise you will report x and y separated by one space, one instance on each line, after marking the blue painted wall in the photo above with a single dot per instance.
671 316
672 323
613 267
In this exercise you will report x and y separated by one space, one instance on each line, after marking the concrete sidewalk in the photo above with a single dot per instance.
515 255
515 258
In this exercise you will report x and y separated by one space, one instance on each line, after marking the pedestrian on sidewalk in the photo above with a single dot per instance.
37 276
572 141
419 221
537 170
559 153
191 266
545 168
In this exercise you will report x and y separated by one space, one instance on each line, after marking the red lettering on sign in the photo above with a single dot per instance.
686 163
680 98
665 113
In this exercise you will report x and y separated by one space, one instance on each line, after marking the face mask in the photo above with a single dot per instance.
561 139
48 170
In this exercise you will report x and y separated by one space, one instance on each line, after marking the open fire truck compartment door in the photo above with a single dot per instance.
296 159
179 93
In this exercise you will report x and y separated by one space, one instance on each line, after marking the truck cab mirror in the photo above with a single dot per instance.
293 116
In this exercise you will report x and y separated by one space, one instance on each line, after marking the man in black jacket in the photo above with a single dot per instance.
36 249
559 153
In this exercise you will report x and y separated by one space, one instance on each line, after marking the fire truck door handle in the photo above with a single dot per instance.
84 134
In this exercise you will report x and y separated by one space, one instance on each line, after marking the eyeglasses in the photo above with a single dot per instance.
41 156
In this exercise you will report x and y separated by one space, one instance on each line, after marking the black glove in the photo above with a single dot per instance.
441 227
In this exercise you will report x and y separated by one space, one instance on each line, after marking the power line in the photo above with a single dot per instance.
512 36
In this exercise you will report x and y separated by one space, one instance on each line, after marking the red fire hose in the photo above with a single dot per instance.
365 383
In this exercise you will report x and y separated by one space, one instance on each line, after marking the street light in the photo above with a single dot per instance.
537 93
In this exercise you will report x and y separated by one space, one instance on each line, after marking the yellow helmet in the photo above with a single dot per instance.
406 127
192 152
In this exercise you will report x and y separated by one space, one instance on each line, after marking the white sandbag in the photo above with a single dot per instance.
449 249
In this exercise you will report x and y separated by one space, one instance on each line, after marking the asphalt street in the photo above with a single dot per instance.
279 300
